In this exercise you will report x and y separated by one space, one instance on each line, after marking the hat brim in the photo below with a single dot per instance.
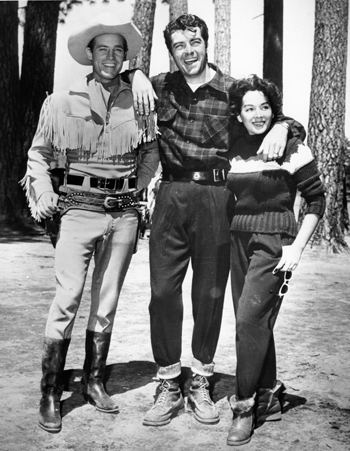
78 41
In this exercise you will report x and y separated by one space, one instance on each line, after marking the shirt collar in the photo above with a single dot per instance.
81 86
217 82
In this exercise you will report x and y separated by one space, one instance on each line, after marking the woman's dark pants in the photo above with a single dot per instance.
256 302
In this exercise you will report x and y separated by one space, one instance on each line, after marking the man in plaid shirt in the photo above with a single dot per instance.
193 212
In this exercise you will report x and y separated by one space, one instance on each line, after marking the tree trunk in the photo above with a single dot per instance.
176 9
10 107
38 63
143 18
273 42
222 50
326 132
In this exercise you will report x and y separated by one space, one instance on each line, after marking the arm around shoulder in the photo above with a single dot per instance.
143 93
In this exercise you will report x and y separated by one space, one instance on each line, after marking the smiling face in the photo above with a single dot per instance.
256 113
107 56
190 54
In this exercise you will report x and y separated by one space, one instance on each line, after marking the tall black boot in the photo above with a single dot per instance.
96 351
53 361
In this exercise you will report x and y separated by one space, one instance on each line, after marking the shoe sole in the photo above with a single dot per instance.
104 410
274 417
48 429
205 420
88 399
243 442
166 421
200 419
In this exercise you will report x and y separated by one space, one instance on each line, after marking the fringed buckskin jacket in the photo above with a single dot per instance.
97 130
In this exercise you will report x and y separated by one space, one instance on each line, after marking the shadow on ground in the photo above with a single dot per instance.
123 377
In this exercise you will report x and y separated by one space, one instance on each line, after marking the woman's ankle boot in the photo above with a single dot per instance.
243 421
96 352
53 361
268 406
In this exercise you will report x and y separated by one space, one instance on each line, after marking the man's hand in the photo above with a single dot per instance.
274 143
143 93
47 205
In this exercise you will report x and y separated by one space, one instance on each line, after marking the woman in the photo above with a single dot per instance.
265 247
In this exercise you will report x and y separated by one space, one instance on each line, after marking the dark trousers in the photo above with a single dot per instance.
191 222
256 303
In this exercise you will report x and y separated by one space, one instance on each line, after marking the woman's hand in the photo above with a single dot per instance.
290 258
291 254
143 93
274 143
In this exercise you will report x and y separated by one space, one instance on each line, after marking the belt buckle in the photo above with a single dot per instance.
219 175
118 203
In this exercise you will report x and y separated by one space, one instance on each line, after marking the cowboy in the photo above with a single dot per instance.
111 154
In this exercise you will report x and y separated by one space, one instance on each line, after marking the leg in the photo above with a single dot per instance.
256 309
254 289
74 249
169 258
112 259
210 254
73 253
113 253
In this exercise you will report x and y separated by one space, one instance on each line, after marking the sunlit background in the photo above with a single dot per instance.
246 46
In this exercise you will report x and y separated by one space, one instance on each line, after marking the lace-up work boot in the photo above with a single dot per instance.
169 402
268 406
203 407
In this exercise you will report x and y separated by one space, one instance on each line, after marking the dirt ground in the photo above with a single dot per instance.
313 344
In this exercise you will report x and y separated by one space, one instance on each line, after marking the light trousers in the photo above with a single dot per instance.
108 237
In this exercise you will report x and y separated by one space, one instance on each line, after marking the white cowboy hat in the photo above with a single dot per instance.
104 24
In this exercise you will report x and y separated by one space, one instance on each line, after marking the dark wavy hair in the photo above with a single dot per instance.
185 22
254 83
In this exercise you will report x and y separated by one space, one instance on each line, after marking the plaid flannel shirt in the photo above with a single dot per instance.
194 126
197 128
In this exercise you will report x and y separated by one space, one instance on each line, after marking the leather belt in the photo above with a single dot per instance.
215 175
84 200
101 183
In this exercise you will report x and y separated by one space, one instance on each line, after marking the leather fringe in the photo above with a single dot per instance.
67 132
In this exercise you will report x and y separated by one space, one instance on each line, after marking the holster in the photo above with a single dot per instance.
52 227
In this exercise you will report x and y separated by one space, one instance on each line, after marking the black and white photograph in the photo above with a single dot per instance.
174 225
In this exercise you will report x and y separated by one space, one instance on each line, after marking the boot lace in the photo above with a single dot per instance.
202 385
164 390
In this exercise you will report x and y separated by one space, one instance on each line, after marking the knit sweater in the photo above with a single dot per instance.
266 191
